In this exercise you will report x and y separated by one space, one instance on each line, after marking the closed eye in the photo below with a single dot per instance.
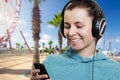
67 27
79 27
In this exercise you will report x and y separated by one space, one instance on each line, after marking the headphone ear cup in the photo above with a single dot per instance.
62 28
98 27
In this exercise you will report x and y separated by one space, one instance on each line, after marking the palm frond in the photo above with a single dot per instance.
56 20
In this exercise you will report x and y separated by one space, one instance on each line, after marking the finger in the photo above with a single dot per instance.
34 78
42 76
38 77
35 72
47 79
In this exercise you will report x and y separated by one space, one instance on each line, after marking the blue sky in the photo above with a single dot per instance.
48 8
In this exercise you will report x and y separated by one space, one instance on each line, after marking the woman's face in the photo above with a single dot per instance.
78 28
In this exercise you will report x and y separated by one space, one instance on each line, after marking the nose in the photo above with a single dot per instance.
72 31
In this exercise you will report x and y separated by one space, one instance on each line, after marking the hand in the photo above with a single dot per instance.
36 76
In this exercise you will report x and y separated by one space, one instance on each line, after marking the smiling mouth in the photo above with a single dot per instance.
75 40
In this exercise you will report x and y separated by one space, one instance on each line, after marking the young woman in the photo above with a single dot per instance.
83 23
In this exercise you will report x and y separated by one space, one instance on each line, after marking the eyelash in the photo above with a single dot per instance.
67 27
77 26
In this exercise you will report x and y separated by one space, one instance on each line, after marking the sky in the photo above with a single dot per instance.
48 8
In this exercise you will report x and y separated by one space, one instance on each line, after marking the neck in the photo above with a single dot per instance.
88 51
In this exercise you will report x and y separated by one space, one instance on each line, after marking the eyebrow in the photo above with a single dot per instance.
66 23
77 22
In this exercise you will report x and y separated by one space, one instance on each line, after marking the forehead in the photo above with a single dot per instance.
76 14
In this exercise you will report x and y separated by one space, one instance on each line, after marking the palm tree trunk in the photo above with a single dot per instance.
36 53
60 41
35 31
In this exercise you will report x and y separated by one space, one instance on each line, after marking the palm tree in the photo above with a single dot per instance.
50 46
24 45
43 46
17 46
36 29
56 22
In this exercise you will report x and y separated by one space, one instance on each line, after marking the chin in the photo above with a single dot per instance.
76 48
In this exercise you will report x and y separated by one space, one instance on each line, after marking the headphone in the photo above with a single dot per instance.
98 24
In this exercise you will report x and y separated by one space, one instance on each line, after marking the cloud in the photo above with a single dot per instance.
16 37
117 40
21 21
64 42
26 34
50 26
100 42
45 38
21 24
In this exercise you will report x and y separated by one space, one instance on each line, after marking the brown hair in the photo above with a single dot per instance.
93 8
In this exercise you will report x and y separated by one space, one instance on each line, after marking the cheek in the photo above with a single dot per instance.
87 33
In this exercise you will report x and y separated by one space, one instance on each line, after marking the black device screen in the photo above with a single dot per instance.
42 69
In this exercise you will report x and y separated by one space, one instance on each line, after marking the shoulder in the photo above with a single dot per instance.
114 63
114 66
54 57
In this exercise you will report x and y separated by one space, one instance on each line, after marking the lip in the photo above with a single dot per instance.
75 40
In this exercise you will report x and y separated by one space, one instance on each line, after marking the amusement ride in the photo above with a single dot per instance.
9 16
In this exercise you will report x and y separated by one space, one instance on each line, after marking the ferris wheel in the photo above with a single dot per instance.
9 15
